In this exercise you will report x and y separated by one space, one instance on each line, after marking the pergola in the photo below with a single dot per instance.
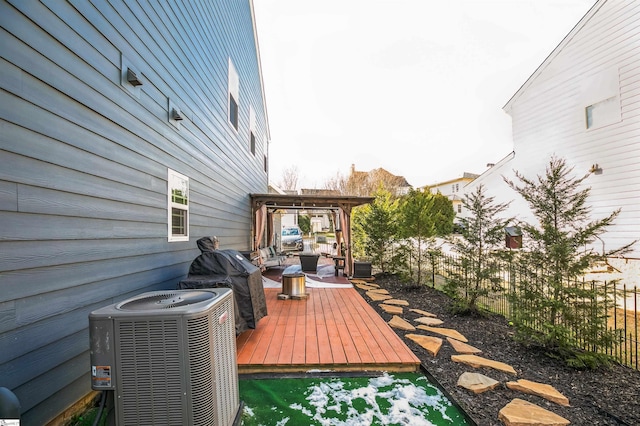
263 206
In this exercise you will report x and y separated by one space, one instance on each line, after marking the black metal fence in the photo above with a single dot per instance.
622 314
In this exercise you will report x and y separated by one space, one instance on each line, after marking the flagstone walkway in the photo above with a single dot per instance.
518 411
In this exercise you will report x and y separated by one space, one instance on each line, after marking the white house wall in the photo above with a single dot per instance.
493 182
548 115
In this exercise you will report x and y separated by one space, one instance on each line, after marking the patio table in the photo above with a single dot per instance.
309 262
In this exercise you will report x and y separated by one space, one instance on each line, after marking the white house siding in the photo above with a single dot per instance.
548 115
492 180
84 163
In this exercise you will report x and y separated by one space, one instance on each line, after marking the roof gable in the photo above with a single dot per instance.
545 64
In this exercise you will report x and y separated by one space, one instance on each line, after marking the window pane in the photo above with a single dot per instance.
589 116
179 196
178 221
233 111
253 143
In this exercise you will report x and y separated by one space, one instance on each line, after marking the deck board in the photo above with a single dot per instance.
334 329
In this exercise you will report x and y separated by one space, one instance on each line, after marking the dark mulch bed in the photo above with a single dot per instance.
600 397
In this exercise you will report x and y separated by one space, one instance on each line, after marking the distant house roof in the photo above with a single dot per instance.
496 167
275 189
466 176
368 180
399 180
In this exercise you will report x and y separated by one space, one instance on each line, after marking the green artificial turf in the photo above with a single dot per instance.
398 399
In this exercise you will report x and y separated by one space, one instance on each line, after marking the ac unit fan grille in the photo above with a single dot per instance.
166 300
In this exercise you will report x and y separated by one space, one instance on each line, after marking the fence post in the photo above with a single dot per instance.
433 269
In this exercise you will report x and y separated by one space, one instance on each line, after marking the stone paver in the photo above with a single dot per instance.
379 291
365 286
547 392
398 302
356 281
522 413
400 323
478 361
477 383
390 309
429 321
463 348
376 297
449 332
431 344
423 313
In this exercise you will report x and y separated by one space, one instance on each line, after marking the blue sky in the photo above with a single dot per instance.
414 86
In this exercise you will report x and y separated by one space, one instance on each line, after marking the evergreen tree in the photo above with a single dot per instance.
304 223
553 308
476 266
374 228
418 224
443 214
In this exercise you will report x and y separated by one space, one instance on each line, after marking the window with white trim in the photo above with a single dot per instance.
252 130
234 95
603 113
601 99
178 206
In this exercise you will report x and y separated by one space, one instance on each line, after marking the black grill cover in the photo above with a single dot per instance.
229 268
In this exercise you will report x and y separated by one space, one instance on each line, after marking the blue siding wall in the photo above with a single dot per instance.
83 168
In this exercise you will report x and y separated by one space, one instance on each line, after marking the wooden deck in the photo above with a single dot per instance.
335 329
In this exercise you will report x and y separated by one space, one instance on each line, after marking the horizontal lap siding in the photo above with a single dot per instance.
549 117
83 179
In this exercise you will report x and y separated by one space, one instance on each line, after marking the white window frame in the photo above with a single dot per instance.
177 181
233 91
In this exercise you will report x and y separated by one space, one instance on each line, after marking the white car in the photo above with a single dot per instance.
292 239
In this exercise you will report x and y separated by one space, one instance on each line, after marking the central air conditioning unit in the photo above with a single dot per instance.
168 358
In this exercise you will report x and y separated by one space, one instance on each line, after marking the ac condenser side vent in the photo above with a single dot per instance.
150 366
201 375
226 367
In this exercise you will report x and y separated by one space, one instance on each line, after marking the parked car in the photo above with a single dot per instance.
292 239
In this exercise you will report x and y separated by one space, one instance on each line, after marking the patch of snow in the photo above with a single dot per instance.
408 402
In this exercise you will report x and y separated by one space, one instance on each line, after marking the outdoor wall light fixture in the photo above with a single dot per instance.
132 78
596 169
